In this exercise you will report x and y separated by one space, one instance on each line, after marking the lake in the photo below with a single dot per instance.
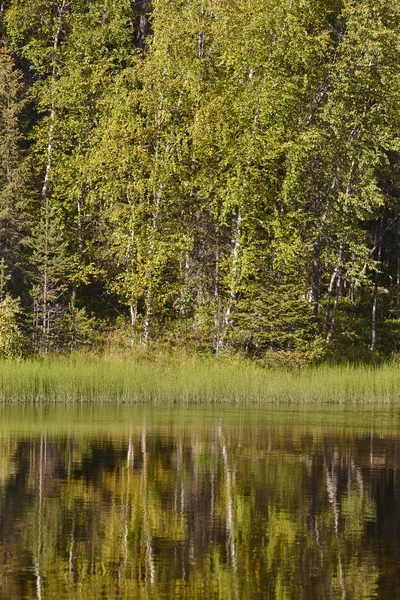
115 501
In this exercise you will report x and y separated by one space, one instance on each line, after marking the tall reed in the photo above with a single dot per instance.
169 379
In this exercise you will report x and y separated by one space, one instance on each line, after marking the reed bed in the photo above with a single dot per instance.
192 380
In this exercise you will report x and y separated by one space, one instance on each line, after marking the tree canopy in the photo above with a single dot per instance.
211 174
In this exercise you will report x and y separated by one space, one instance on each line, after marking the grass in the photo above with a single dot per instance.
176 379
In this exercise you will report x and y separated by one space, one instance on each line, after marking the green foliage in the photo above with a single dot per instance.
194 170
15 193
12 339
274 317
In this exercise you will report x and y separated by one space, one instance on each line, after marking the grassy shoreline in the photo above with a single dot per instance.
169 379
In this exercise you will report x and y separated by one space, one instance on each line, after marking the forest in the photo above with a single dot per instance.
210 174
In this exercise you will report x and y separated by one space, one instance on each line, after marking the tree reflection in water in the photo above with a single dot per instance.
207 512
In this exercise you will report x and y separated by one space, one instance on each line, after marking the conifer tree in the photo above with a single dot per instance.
15 196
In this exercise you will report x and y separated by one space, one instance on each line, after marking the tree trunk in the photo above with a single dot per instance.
375 303
1 23
398 288
157 192
234 272
149 292
45 292
56 42
316 270
217 305
329 296
45 187
143 26
74 328
133 312
339 280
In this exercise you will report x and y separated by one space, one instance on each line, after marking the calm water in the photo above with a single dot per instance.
116 502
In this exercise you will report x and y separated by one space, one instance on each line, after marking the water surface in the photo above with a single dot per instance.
134 502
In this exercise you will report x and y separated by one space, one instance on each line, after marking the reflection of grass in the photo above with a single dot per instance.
168 380
307 425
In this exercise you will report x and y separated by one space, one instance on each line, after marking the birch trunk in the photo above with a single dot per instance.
46 181
149 293
157 192
200 41
375 303
234 272
329 296
1 22
217 306
316 269
133 312
338 273
236 242
338 277
45 287
398 288
130 259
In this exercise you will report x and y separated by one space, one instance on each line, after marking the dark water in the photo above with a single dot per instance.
111 502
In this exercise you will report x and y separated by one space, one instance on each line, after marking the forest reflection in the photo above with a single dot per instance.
211 512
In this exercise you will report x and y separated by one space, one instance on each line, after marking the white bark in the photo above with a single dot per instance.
150 566
234 271
217 304
46 181
40 508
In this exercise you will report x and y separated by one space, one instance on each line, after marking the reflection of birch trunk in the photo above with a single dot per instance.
230 524
213 478
40 508
129 465
357 474
125 505
150 568
229 504
72 543
179 503
179 500
371 450
131 453
331 488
